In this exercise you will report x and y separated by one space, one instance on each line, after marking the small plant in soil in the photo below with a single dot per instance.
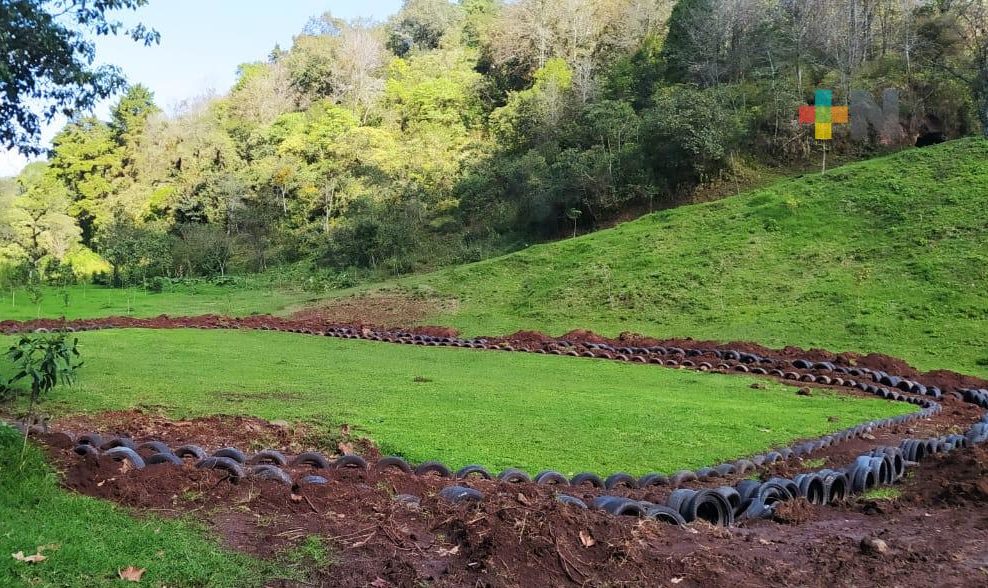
887 493
45 361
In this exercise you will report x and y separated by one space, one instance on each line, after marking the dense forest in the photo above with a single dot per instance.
455 131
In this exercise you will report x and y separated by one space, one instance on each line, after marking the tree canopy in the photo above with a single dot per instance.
48 67
456 130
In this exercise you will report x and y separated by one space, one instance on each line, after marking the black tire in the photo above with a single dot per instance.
268 456
619 506
514 476
812 489
836 487
473 470
551 478
90 439
664 514
125 453
748 489
271 472
756 509
233 469
193 451
119 442
85 449
707 505
732 497
679 498
725 469
233 453
862 479
154 447
350 461
432 467
456 494
587 478
653 479
771 492
743 466
571 501
165 457
620 479
393 461
313 480
313 459
681 477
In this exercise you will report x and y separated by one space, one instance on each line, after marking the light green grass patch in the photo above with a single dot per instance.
493 408
884 493
86 301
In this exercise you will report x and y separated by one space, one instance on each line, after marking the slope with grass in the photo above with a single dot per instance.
86 541
888 255
459 405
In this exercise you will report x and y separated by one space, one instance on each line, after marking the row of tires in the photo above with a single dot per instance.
722 506
127 449
752 499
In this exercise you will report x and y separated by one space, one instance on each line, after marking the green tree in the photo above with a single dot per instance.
49 60
38 226
690 134
88 160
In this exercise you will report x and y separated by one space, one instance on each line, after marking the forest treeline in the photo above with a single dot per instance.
457 130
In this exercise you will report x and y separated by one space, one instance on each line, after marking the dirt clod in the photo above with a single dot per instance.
874 546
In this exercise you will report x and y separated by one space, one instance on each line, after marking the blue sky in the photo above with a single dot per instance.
203 42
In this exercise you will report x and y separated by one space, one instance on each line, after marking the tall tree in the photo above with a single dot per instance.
49 63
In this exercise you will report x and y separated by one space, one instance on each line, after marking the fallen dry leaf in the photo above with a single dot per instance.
131 574
345 448
380 583
19 556
587 539
676 580
764 542
443 552
523 499
295 498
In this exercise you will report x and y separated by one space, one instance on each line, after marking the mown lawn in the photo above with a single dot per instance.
87 301
86 541
888 255
496 409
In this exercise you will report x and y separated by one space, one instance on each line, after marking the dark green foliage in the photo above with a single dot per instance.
464 129
48 56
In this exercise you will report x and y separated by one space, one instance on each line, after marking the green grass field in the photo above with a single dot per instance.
888 255
87 541
496 409
88 301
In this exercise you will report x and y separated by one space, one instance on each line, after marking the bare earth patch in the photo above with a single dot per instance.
378 309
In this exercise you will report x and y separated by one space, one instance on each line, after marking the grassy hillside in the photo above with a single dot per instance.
458 405
889 255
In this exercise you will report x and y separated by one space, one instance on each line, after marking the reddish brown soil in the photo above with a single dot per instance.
375 309
519 535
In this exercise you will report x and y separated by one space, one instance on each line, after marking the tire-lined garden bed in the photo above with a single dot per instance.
718 504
